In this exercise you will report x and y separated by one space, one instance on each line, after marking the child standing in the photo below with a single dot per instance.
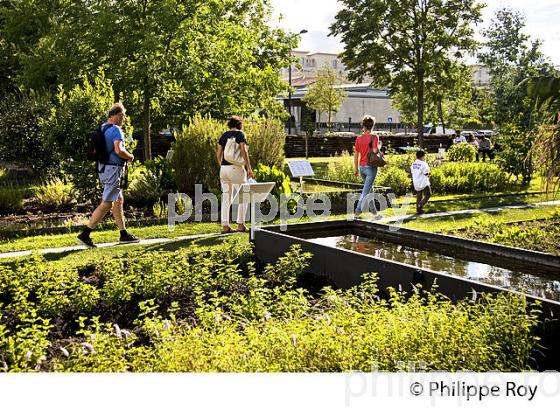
421 180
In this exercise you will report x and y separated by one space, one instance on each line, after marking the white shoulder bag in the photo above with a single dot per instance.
232 153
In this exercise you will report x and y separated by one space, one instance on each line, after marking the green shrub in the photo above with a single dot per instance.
55 193
450 177
398 180
77 112
161 167
513 153
405 161
22 139
209 309
539 235
266 139
3 177
468 177
343 169
194 154
472 123
283 183
145 187
461 152
11 198
159 209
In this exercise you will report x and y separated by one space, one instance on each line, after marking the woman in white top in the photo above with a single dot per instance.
232 176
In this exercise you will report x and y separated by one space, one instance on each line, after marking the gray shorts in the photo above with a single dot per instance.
110 177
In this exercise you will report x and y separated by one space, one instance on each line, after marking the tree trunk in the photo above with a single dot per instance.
147 125
420 108
440 112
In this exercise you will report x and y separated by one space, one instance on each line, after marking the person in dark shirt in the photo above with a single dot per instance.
233 175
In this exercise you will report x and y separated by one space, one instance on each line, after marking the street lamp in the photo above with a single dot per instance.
290 90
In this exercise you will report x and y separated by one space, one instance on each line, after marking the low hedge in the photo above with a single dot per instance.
446 177
211 309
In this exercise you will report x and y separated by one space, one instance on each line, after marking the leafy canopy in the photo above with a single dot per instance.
404 45
511 57
323 95
169 59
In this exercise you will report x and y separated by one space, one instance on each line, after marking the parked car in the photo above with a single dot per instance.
488 133
437 130
467 134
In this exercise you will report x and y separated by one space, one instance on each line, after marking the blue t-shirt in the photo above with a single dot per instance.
113 133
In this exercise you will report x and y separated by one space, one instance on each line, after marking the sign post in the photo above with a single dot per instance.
253 193
301 168
390 121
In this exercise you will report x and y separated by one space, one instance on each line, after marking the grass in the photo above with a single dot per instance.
438 203
310 187
450 224
79 258
479 202
104 236
162 231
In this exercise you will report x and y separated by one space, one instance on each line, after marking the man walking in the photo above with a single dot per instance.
421 179
110 175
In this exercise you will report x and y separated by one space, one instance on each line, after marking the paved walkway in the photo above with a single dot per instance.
396 219
399 219
144 242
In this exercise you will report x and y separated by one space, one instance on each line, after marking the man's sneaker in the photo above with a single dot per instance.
128 238
85 240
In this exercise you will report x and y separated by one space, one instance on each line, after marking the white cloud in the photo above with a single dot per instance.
317 15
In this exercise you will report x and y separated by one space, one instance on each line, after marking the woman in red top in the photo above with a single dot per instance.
361 167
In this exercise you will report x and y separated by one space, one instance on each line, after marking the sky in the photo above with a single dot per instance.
316 16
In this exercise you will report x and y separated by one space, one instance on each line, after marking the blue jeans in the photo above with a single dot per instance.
368 175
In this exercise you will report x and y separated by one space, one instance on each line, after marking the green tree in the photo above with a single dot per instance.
78 111
511 56
448 99
404 44
323 95
168 58
22 140
545 91
482 102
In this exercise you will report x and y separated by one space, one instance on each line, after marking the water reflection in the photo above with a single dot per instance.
531 283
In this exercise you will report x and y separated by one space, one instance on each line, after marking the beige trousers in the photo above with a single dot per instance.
231 177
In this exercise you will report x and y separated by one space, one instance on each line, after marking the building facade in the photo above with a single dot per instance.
310 63
361 99
480 75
